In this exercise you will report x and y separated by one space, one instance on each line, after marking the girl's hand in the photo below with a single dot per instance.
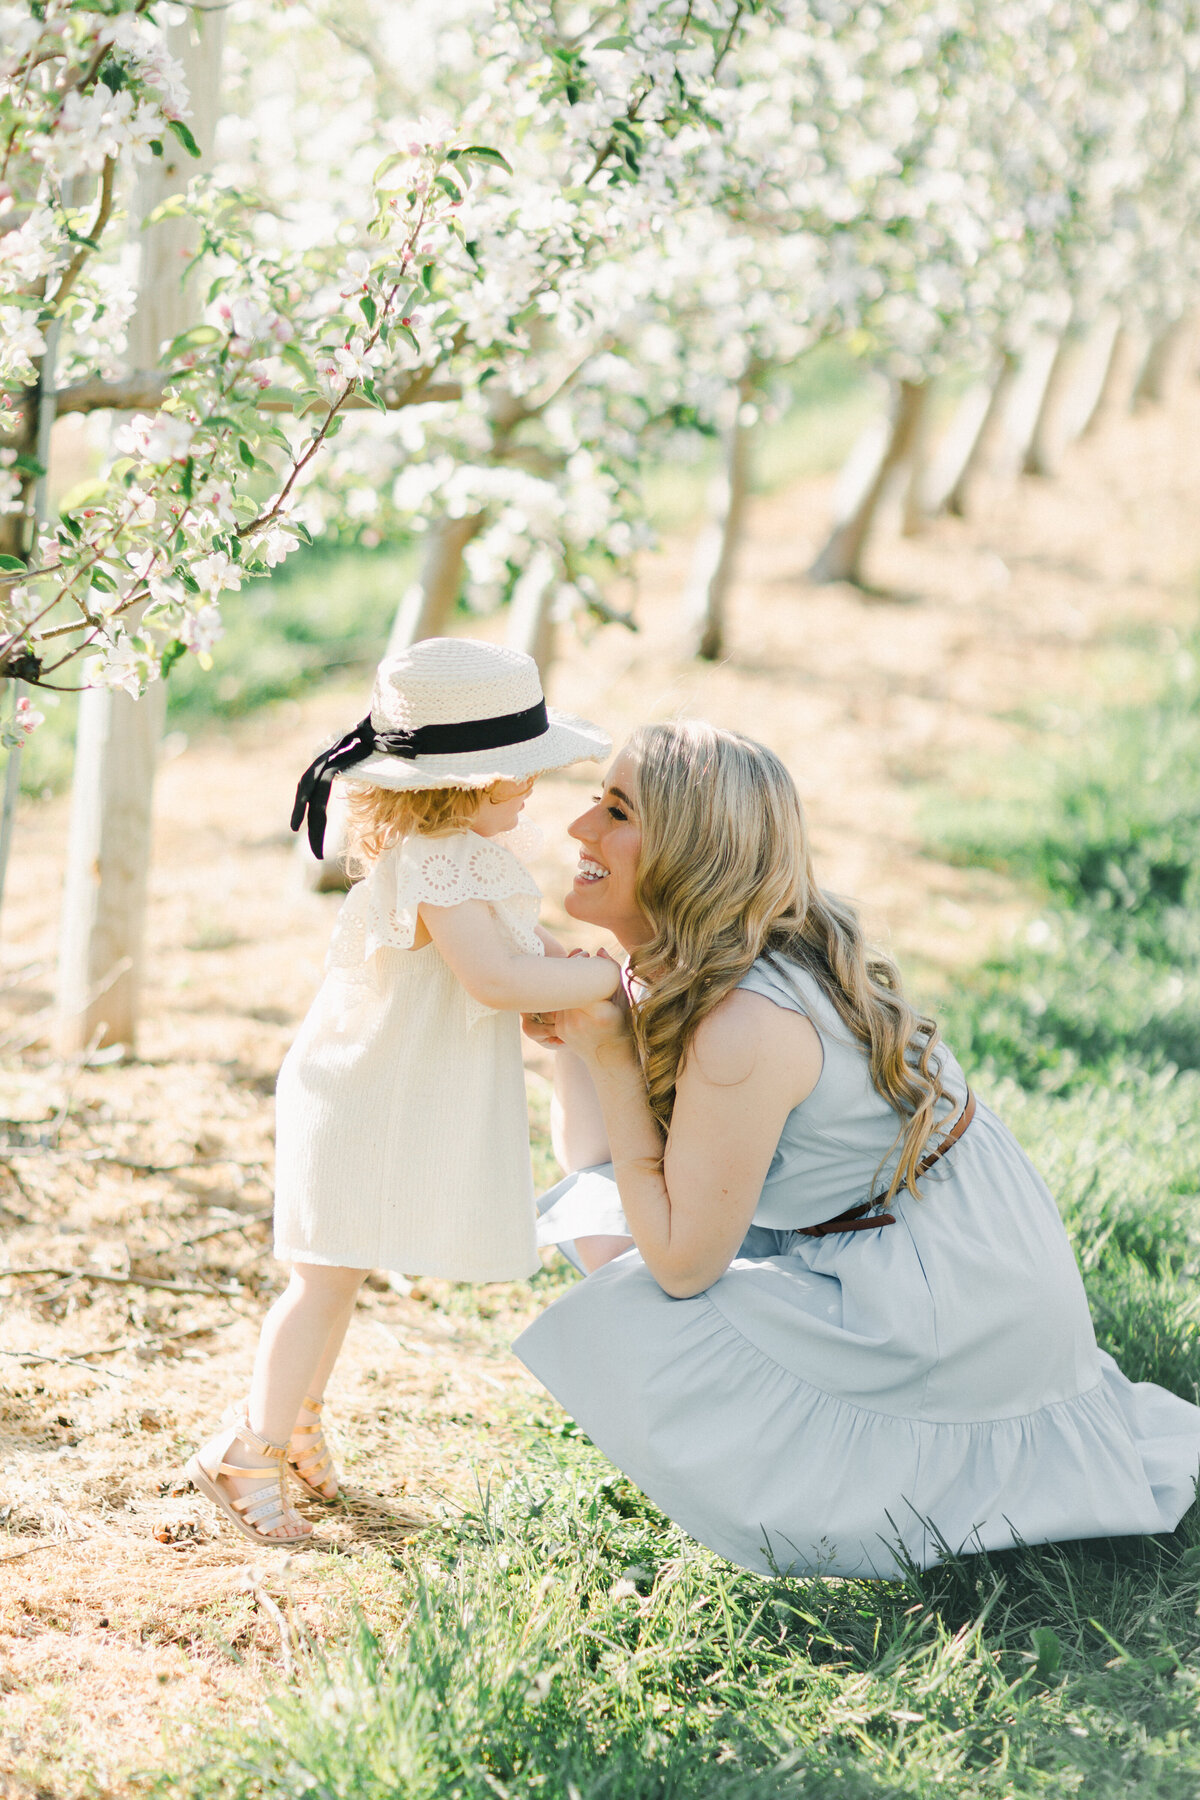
542 1028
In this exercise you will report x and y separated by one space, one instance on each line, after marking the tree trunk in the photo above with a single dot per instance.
1165 367
426 607
841 558
1114 397
706 598
532 626
983 450
915 513
104 902
1047 441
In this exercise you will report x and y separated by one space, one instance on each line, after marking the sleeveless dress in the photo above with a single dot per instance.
402 1136
848 1403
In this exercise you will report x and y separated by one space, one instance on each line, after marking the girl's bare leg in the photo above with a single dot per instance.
324 1369
294 1345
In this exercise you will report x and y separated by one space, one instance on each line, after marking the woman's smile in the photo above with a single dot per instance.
589 870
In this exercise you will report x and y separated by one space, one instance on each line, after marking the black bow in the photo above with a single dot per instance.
457 739
312 792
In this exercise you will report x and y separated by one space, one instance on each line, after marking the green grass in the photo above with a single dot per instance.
564 1641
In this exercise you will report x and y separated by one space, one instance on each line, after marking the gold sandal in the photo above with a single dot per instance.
312 1463
257 1514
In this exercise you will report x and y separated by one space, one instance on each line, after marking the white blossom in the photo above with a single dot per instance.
216 573
201 629
164 438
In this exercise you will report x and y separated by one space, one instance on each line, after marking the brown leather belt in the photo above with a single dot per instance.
856 1220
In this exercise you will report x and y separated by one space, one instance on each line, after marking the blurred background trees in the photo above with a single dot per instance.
424 308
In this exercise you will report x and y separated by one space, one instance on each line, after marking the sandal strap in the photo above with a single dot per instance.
264 1510
255 1474
251 1438
308 1404
310 1465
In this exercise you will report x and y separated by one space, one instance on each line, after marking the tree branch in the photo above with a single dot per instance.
103 213
145 388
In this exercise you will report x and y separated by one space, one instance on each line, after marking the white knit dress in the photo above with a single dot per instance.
401 1122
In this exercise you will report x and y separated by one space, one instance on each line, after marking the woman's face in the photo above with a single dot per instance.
609 838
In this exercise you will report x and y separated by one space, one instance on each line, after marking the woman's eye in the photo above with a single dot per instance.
614 812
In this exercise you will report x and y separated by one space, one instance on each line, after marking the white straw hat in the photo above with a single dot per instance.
449 712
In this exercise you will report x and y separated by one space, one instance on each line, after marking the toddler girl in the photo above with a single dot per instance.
402 1131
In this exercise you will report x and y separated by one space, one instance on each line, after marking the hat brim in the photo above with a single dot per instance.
569 740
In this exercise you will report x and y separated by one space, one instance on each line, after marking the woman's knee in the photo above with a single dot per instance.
594 1252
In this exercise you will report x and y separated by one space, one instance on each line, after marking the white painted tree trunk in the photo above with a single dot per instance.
532 626
842 556
1047 440
1167 364
104 903
1114 398
983 451
426 607
706 597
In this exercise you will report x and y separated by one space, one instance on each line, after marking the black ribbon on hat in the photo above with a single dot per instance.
312 792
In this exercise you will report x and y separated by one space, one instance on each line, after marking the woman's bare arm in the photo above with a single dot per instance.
688 1204
469 939
576 1121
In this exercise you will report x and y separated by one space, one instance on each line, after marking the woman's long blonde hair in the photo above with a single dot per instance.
724 875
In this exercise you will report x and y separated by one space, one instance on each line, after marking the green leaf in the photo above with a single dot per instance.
409 336
292 353
613 43
185 137
73 526
371 392
103 580
194 339
175 206
188 477
29 465
448 186
157 148
170 657
388 163
246 453
366 307
305 533
12 565
481 153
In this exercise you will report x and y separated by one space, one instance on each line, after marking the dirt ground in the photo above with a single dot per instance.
135 1195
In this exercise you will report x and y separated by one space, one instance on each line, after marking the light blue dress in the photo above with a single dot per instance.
840 1404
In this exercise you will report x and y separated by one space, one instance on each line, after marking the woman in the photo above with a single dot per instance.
919 1375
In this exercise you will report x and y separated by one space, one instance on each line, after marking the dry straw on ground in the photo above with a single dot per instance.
124 1607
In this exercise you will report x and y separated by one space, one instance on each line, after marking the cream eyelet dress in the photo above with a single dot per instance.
401 1117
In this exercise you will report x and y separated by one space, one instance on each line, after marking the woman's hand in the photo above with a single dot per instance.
590 1031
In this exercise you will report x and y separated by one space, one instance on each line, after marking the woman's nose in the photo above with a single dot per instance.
583 828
